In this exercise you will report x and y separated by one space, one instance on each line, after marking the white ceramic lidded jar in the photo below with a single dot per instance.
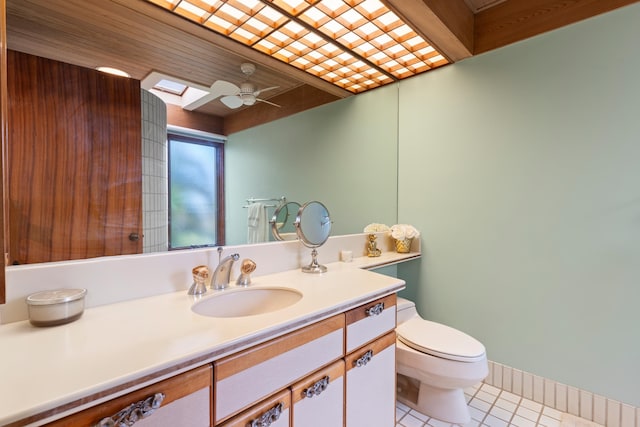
55 307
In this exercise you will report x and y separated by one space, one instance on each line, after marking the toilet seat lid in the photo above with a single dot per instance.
440 340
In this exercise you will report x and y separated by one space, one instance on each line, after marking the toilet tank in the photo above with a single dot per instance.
406 309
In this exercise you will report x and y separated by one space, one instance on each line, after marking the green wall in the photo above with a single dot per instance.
521 167
343 154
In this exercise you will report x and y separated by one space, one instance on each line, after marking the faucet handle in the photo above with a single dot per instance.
246 268
200 276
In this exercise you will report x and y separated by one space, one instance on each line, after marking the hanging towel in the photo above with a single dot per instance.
257 231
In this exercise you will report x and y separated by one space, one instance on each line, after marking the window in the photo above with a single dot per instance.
196 191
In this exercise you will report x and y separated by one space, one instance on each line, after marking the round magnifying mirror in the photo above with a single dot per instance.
313 226
282 221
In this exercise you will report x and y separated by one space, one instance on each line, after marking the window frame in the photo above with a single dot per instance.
199 138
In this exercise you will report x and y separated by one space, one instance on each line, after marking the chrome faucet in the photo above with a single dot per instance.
222 274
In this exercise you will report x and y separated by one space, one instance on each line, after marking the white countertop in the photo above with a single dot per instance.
43 368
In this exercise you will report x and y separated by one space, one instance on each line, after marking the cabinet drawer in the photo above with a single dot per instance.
317 401
187 401
247 377
276 409
370 321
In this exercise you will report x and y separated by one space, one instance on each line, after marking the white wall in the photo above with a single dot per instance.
521 167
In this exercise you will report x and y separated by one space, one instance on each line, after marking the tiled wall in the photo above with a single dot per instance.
562 397
154 174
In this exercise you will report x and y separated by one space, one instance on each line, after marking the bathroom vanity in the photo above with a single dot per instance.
157 359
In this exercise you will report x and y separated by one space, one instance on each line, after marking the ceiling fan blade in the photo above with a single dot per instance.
232 101
259 91
268 102
223 88
191 105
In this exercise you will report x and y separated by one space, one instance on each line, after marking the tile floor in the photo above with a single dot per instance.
492 407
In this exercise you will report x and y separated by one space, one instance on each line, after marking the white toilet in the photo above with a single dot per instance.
435 363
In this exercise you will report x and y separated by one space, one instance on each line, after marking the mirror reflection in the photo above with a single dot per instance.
325 153
339 153
282 221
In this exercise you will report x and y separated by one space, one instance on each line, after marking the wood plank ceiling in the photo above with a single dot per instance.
139 37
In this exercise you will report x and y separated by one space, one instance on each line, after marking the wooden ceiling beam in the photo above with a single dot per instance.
446 24
516 20
294 101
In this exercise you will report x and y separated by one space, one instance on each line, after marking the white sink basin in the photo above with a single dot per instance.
246 302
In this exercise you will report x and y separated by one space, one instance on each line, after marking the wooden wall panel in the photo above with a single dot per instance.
3 145
176 116
75 167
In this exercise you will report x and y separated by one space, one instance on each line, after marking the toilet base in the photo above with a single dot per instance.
447 405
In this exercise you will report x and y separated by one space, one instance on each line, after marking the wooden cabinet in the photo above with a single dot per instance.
271 412
371 384
183 400
334 373
370 321
370 380
355 355
318 400
245 378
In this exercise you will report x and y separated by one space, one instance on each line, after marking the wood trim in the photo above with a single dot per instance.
359 313
334 371
4 115
516 20
376 346
244 418
118 389
294 101
447 24
235 363
174 388
176 116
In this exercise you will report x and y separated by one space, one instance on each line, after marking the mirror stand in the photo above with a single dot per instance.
314 267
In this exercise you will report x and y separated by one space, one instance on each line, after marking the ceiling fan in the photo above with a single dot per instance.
246 94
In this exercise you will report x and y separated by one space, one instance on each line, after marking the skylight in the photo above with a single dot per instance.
171 87
355 44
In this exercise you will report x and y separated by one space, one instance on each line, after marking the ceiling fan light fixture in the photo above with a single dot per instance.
248 99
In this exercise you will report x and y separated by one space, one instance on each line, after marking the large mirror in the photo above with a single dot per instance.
344 153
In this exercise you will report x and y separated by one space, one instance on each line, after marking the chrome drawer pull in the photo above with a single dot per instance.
375 310
271 416
363 360
315 390
133 413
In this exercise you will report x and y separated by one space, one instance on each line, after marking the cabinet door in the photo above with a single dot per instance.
247 377
370 321
318 400
371 384
271 412
183 400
